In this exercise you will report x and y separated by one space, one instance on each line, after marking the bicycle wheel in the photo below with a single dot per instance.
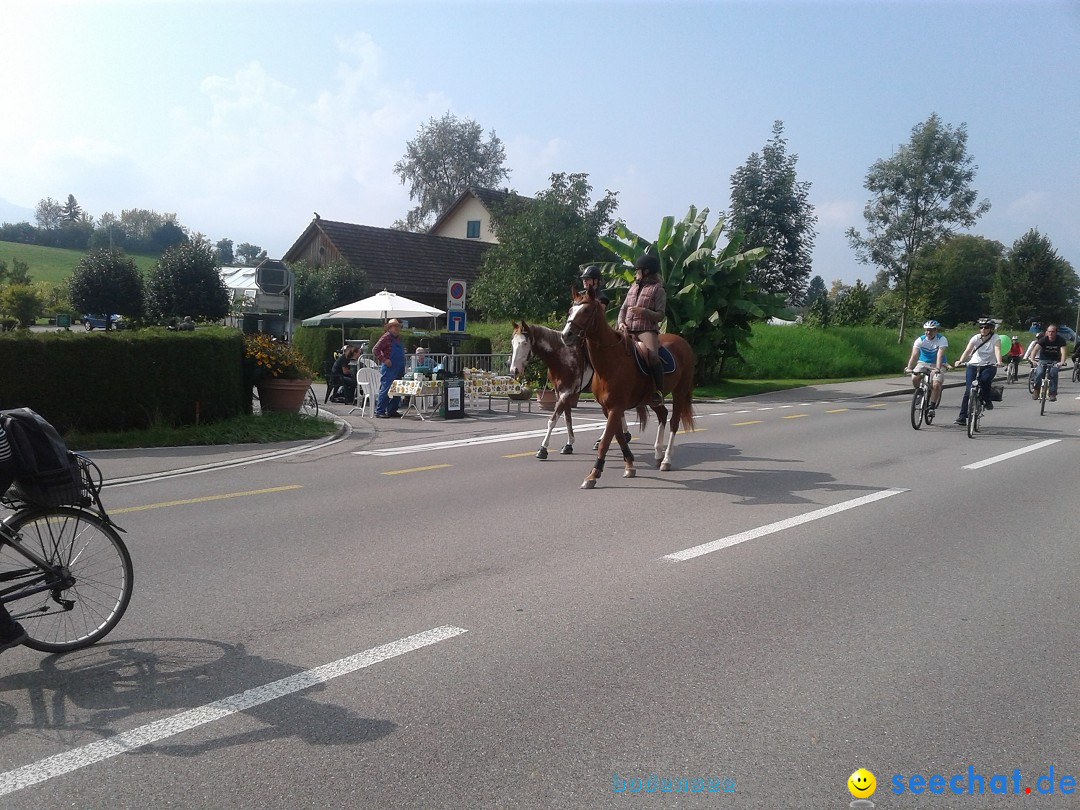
1076 372
1031 381
98 578
1044 393
917 411
311 403
974 404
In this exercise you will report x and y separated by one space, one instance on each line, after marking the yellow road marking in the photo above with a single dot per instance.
795 416
836 410
751 422
519 455
879 405
416 469
205 498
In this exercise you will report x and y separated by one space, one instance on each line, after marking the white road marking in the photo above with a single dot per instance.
761 531
476 440
1012 454
95 752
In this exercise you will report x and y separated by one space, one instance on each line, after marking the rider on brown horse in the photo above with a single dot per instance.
643 308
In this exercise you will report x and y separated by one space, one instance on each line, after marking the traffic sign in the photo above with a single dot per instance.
455 295
455 320
273 277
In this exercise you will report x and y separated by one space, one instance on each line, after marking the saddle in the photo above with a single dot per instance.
667 359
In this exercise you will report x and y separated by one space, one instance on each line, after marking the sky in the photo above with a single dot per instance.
244 118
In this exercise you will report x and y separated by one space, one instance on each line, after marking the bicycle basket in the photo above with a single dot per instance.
997 392
78 485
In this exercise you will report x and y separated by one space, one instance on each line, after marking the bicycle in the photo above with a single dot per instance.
920 400
1013 373
976 406
65 574
1076 370
1044 387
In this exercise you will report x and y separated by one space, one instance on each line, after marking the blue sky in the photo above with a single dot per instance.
243 118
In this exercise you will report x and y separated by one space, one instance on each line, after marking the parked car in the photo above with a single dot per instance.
92 322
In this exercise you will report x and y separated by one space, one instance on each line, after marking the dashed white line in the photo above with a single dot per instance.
761 531
1012 454
95 752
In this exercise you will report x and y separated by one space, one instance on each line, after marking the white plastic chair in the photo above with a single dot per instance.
367 388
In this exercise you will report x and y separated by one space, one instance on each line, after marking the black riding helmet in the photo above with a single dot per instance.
592 271
649 263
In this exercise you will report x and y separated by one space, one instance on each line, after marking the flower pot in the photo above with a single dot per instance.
546 397
276 394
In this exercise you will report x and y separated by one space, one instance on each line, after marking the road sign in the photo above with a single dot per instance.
455 320
273 277
455 295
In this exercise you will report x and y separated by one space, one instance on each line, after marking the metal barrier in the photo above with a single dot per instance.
497 363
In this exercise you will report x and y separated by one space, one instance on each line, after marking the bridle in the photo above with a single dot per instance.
582 331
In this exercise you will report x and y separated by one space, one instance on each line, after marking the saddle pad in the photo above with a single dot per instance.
667 360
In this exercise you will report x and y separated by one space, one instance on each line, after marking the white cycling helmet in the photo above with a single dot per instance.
931 324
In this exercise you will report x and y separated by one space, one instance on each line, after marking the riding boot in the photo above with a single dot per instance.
657 370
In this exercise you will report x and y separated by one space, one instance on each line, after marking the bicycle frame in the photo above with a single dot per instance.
41 577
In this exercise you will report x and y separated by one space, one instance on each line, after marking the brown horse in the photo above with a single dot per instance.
619 385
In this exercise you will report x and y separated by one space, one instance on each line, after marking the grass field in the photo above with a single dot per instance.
54 264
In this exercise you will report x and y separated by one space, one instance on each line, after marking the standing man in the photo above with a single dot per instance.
930 348
1050 352
642 310
389 351
983 356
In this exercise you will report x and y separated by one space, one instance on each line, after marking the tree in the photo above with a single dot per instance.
951 282
920 195
816 290
711 300
320 289
225 254
445 158
1033 283
168 234
106 282
250 254
773 209
48 214
19 274
186 281
854 306
542 244
22 302
71 212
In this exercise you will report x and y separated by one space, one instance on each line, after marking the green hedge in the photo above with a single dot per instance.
124 380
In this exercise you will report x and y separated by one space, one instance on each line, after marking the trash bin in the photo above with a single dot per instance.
453 406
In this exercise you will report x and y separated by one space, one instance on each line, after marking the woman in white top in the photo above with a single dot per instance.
983 356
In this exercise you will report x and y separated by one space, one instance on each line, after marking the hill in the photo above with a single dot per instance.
54 264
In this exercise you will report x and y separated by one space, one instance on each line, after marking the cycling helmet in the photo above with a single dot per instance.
592 271
931 324
986 322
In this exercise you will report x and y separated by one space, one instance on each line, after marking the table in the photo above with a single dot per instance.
419 391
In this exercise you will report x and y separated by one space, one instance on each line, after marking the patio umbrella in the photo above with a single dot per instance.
384 305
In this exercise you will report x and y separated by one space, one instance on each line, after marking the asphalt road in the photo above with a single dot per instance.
427 616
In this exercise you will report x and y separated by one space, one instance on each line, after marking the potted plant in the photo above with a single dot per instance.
278 370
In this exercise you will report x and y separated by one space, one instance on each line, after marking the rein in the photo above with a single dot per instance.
584 332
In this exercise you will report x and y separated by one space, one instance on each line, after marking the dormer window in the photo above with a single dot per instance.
472 229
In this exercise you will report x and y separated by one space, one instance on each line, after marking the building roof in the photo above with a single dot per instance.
488 197
400 261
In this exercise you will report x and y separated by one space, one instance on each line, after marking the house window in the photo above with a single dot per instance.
472 230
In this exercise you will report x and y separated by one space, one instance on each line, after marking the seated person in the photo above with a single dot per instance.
420 361
343 376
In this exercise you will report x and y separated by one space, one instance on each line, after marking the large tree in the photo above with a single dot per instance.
921 194
542 244
71 211
48 214
250 254
446 157
186 281
951 282
320 289
772 208
106 283
1034 283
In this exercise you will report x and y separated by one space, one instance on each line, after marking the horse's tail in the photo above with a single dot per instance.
682 411
642 417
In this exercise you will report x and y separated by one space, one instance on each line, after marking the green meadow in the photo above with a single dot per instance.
54 265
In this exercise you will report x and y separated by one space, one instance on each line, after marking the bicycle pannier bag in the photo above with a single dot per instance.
997 392
46 472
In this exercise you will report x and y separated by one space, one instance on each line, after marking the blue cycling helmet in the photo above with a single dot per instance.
931 324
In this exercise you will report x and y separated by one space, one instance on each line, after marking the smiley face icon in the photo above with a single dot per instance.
862 784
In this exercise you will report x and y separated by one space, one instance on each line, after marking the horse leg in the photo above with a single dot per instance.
568 448
598 465
622 437
658 446
669 452
542 453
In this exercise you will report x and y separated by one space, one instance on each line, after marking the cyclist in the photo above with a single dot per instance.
930 348
1050 353
1016 353
983 356
11 632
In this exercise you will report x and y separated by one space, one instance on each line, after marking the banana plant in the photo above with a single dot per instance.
711 301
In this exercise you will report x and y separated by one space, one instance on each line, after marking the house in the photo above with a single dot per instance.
469 216
415 265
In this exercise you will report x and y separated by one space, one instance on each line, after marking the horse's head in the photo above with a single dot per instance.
521 343
580 318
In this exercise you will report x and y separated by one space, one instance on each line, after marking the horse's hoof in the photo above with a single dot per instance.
541 453
588 483
665 467
596 445
568 450
659 463
629 474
